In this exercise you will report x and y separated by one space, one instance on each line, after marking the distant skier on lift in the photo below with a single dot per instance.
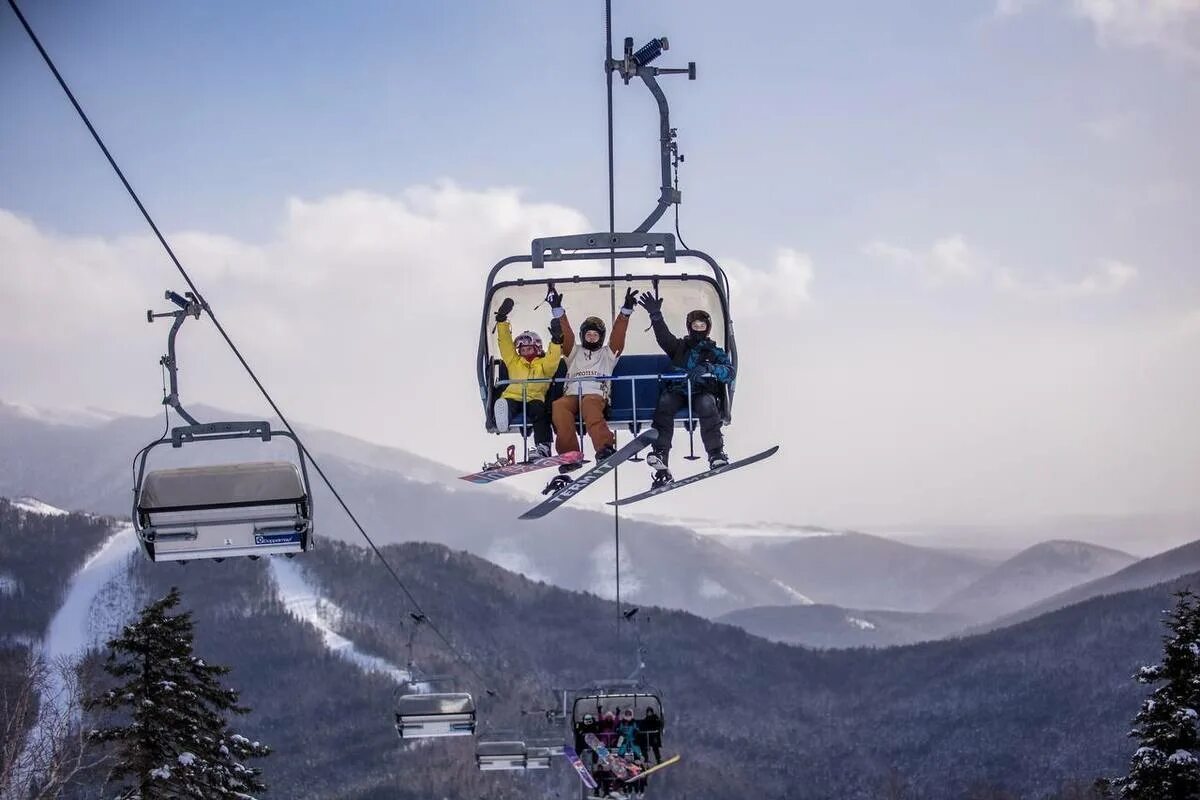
699 356
584 394
526 360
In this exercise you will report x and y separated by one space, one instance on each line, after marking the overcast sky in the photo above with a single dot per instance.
962 232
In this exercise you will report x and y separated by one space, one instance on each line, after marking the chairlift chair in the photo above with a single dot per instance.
435 715
219 510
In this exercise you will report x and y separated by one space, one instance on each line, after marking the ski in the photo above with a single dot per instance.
577 763
502 471
679 484
602 468
614 763
672 760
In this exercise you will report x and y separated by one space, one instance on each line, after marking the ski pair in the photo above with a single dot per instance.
681 482
602 468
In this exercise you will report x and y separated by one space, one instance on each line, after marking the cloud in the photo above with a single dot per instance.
1171 26
948 260
1111 128
782 287
360 313
1110 277
951 259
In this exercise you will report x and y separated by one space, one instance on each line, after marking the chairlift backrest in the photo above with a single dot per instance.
435 715
500 755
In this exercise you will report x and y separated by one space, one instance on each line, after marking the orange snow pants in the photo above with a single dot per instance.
564 412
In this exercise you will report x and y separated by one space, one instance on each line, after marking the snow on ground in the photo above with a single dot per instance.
78 624
304 602
861 624
75 627
801 599
34 506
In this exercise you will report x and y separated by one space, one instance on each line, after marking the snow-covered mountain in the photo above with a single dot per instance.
833 626
857 570
403 497
1031 576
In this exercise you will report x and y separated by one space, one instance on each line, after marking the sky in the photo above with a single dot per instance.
961 233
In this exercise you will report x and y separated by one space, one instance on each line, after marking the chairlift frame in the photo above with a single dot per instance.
254 526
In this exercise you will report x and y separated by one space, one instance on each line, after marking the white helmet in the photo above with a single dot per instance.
525 338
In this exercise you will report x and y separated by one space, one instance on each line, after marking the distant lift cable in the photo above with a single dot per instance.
220 329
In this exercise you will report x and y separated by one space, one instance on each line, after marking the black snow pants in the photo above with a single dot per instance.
704 408
538 418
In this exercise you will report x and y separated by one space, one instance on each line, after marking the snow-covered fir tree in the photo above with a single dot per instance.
1166 766
171 738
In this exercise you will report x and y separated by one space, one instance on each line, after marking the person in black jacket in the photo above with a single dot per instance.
650 731
707 369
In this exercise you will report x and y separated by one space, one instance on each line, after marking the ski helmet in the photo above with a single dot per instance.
699 315
589 719
592 324
529 339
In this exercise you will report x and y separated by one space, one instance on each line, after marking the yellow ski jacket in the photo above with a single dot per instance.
520 370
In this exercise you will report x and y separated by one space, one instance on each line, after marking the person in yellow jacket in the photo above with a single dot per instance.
527 360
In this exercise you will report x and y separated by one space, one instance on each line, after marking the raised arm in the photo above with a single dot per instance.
504 332
662 334
554 298
616 342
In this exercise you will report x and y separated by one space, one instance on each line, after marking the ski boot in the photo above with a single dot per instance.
662 476
717 458
605 452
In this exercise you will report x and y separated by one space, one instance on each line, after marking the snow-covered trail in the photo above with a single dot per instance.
304 602
81 622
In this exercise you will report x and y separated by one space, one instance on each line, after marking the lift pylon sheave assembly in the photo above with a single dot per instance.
220 510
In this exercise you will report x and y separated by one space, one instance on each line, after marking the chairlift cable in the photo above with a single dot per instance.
612 291
229 341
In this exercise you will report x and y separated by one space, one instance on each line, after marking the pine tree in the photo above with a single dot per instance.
176 742
1167 764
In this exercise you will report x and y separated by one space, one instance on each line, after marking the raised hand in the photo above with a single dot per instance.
651 303
630 298
554 297
506 306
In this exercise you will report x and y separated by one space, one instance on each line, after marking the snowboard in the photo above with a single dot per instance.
672 760
499 472
615 763
602 468
577 763
679 484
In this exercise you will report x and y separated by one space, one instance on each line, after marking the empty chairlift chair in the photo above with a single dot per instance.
494 756
422 716
247 509
223 510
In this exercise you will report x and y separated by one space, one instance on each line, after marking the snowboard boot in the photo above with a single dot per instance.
541 451
605 452
657 461
662 477
717 458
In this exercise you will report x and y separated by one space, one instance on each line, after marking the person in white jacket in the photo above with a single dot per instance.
584 392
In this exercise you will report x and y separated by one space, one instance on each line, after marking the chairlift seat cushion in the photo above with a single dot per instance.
222 486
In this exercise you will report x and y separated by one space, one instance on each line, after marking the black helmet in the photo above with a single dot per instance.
592 324
701 315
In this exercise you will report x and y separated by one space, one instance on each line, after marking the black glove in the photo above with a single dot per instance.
630 299
697 373
652 304
556 335
505 306
553 297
